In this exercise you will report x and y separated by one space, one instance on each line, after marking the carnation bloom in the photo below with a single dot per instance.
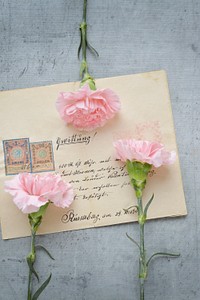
30 192
87 109
152 153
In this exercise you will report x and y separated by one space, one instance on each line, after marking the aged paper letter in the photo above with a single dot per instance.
35 139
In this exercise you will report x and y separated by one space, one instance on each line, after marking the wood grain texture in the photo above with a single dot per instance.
39 41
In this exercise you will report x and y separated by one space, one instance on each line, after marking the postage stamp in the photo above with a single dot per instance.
42 156
17 156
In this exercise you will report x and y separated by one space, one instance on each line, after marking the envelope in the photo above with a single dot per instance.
36 140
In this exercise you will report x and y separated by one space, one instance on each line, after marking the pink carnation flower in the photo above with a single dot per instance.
152 153
87 109
30 192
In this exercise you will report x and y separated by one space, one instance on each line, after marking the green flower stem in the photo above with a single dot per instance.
85 27
142 258
85 76
31 260
33 233
84 66
138 173
35 220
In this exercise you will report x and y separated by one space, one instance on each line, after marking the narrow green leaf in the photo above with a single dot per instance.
92 50
41 288
147 206
32 269
80 46
163 254
45 250
132 240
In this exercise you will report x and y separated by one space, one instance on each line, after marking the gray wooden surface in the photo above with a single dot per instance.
39 41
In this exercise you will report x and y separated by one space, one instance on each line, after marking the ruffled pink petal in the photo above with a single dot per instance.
63 198
87 109
169 157
30 192
144 151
